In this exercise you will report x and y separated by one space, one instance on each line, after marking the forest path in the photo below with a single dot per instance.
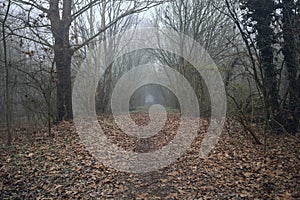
61 167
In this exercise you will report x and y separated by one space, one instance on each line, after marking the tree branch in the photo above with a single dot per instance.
127 13
33 3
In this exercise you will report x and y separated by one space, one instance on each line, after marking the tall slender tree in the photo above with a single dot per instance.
8 95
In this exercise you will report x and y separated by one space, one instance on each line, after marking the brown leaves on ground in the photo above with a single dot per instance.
61 168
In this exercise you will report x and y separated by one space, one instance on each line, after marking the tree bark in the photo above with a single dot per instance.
291 57
62 56
262 11
8 100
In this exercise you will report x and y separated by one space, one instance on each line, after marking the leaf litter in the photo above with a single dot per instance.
61 167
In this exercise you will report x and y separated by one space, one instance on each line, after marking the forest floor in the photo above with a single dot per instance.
38 166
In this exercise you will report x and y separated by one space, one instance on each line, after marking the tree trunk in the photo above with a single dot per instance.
64 86
262 11
62 57
291 57
8 94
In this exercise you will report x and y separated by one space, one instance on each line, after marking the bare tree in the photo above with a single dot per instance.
62 14
201 21
7 76
205 24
